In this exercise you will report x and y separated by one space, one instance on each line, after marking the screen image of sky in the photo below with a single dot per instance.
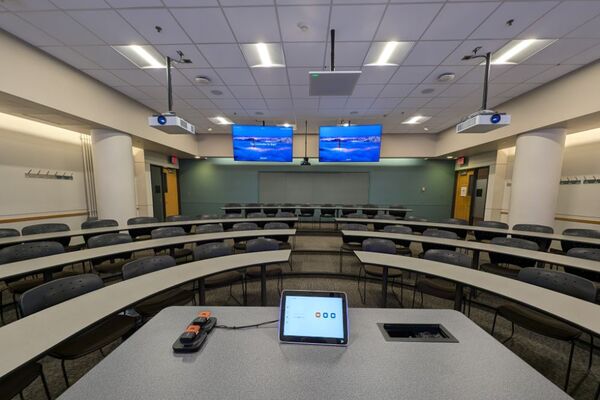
262 143
359 143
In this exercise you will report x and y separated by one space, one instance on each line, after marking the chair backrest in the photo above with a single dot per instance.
58 291
328 210
419 229
404 230
306 209
385 216
271 208
377 225
448 257
288 207
252 208
108 239
479 235
567 245
233 216
98 223
209 228
9 232
559 281
245 226
28 250
141 220
210 216
353 227
588 253
175 218
261 244
276 225
497 258
369 209
442 234
354 215
397 213
44 228
348 209
212 250
544 244
285 214
146 265
462 233
377 245
234 210
256 215
168 231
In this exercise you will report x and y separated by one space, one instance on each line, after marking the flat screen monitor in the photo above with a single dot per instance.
262 143
354 143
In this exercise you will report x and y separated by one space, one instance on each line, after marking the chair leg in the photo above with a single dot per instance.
21 396
494 323
341 257
414 296
102 352
591 352
64 372
45 385
571 352
512 333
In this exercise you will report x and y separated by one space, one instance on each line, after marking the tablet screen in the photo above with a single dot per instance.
313 317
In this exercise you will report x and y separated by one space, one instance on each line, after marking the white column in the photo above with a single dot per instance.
536 177
113 175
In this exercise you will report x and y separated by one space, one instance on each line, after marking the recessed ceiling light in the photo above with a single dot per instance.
210 129
449 157
425 129
219 120
302 26
196 157
427 91
216 92
288 125
142 56
417 119
259 113
446 77
263 55
353 112
202 79
517 51
388 53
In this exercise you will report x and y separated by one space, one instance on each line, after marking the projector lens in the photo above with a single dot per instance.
162 119
494 119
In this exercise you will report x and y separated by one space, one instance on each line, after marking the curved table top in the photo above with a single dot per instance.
97 231
316 207
550 258
33 265
23 341
583 314
439 225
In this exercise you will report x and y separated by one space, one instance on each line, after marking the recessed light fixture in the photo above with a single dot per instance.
144 57
517 51
426 129
449 157
263 55
219 120
417 119
353 112
388 53
202 79
217 92
427 91
209 129
446 77
196 157
288 125
259 113
302 26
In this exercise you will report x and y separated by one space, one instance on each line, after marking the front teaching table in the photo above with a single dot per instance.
251 364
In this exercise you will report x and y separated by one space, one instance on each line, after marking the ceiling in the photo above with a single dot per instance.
210 33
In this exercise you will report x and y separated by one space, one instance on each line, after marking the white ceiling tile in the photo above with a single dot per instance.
520 89
275 92
236 76
253 104
253 24
447 26
134 3
404 22
590 29
300 2
376 75
299 76
109 26
155 92
389 102
306 104
304 54
201 103
561 51
521 73
223 55
496 89
204 25
190 3
523 13
188 92
406 74
586 57
62 27
245 91
280 104
459 90
104 56
359 103
396 90
332 101
413 102
135 77
144 20
70 56
430 53
315 18
80 4
476 74
246 2
132 92
270 76
426 87
300 91
191 73
356 22
207 90
367 90
160 75
442 102
27 32
106 77
348 54
555 72
189 51
28 5
467 47
226 103
564 18
458 71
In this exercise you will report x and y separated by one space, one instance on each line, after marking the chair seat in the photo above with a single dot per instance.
285 246
181 253
110 267
94 338
378 271
23 285
173 297
507 272
351 247
538 322
14 382
436 287
254 272
222 279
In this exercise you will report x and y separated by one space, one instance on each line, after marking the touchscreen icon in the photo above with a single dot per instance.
318 314
325 315
332 315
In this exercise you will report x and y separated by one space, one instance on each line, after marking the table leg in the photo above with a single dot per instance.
458 297
47 276
475 266
201 292
263 285
384 285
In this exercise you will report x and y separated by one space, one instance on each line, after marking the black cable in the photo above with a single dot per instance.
247 326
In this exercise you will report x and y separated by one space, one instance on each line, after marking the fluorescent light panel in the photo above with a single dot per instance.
144 57
388 53
219 120
263 55
517 51
417 119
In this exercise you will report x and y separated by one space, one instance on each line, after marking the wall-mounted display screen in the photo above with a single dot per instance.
262 143
354 143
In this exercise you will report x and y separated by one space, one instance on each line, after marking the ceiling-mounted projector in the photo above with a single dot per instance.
171 123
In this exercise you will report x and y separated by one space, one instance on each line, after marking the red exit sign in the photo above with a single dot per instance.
173 160
460 161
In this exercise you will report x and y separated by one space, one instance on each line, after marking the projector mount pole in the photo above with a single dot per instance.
333 49
181 60
488 64
305 138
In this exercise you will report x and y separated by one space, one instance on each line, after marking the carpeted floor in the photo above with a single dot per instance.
546 355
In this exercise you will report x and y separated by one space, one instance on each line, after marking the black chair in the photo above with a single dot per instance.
97 223
283 214
567 245
211 216
141 233
13 383
49 228
487 236
177 251
500 264
379 226
253 208
9 232
437 287
385 246
172 297
211 250
418 229
438 233
229 225
271 209
284 243
181 218
347 209
234 210
351 243
258 215
462 233
402 246
544 324
240 243
370 210
89 340
589 254
328 212
288 208
263 244
354 215
110 265
543 244
307 213
397 213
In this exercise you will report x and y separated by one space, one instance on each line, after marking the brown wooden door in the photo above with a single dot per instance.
171 192
462 194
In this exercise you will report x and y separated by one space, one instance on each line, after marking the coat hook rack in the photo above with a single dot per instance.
49 175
